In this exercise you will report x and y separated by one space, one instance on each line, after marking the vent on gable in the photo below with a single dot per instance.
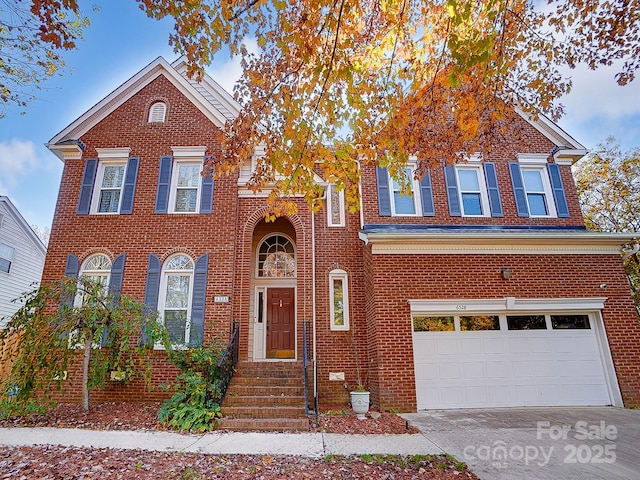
157 112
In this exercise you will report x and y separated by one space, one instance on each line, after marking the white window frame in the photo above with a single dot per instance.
185 156
482 185
162 296
74 341
331 205
339 274
157 112
8 250
415 195
108 157
538 162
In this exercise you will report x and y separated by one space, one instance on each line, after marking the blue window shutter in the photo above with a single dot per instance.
522 207
152 288
196 335
492 189
117 272
70 271
115 286
558 190
206 196
384 199
129 185
426 195
164 183
452 190
86 189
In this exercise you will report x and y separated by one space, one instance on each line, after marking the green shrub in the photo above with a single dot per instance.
196 404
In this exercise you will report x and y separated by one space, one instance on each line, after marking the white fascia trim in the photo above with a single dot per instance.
569 156
551 130
189 152
224 97
506 304
107 105
66 151
492 243
19 219
119 153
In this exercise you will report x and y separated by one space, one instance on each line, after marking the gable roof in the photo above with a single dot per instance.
22 223
567 148
208 96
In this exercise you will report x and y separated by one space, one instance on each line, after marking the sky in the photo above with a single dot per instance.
121 40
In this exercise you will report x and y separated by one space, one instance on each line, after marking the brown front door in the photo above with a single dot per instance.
280 323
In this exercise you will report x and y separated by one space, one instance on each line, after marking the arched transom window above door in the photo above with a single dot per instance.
276 258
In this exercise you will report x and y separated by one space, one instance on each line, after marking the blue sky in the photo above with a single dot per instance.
121 40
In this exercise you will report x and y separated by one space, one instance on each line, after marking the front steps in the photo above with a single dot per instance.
265 396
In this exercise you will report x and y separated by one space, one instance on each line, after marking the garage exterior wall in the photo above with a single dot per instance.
399 278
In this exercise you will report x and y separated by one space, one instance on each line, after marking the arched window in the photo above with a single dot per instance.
97 268
175 297
157 112
276 258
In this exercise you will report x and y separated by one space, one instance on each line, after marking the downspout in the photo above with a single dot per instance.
313 296
361 206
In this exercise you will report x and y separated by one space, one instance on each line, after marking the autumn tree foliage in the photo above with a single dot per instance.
337 82
32 36
608 185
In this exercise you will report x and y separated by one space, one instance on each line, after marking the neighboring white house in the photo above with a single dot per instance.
22 256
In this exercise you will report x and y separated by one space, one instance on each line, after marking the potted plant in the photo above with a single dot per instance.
359 396
360 401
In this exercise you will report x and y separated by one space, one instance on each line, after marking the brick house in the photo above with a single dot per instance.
482 289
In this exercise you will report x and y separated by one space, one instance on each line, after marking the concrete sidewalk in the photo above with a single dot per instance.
315 445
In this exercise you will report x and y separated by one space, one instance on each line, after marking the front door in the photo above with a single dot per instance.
280 323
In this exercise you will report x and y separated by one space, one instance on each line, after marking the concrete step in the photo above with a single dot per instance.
265 424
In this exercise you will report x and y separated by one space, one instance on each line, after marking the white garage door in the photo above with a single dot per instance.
508 360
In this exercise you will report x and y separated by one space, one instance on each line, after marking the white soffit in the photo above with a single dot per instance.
128 89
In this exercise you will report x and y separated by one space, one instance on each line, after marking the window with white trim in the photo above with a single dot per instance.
157 112
108 187
6 257
472 189
186 179
335 206
538 191
339 299
96 268
174 302
405 202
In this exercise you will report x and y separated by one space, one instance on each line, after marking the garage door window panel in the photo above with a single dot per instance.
433 324
570 322
479 323
526 322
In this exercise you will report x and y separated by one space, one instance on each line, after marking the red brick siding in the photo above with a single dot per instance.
531 141
144 232
401 277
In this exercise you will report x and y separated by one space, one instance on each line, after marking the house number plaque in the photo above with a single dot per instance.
221 299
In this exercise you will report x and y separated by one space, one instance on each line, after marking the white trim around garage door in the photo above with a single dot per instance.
454 368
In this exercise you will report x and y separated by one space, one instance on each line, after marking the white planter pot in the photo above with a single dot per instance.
360 403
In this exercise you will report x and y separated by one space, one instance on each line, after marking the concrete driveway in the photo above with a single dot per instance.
559 443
